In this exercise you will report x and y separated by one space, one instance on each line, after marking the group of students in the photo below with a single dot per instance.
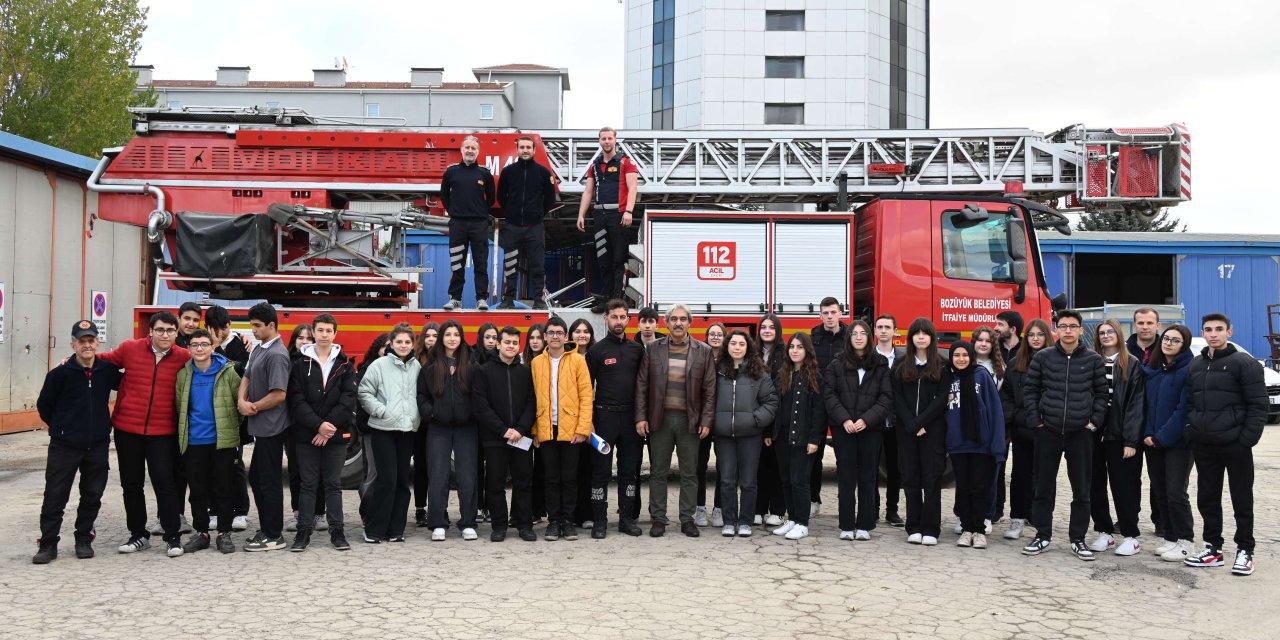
550 410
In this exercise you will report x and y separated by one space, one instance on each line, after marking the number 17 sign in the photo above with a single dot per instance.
717 260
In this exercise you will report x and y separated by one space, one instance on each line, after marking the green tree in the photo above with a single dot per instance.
65 67
1127 221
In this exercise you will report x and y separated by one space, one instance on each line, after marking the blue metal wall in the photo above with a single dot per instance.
431 250
1240 286
1055 274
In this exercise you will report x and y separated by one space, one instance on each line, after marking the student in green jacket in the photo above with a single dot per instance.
208 434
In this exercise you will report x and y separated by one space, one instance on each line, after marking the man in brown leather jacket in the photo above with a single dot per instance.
675 408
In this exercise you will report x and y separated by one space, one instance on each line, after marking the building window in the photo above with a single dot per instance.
784 114
273 105
486 112
175 104
976 250
898 64
372 110
784 21
784 67
664 64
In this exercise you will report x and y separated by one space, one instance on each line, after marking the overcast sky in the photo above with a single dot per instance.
994 63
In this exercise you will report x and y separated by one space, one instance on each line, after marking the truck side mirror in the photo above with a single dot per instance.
1016 235
1019 271
973 213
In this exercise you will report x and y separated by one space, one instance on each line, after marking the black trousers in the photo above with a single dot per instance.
923 460
136 457
1124 476
704 462
500 461
482 499
1157 505
295 478
468 234
462 444
60 470
618 429
974 474
388 497
561 464
210 472
264 478
737 462
1236 460
769 498
1169 473
321 472
582 510
998 496
420 468
892 475
611 239
793 471
815 470
1051 447
524 249
1022 489
857 465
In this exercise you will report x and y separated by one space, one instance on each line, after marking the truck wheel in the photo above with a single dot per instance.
353 465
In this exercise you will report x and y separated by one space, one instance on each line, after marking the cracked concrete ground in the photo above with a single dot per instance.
624 587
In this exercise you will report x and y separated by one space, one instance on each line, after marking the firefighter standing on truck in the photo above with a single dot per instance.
466 191
526 192
611 194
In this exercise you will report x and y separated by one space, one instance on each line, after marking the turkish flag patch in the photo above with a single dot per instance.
611 361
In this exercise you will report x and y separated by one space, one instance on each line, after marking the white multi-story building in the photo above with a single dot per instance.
814 64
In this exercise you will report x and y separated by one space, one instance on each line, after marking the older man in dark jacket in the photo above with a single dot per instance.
1227 410
1066 401
675 408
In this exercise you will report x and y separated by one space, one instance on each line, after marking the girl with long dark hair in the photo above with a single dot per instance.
1038 337
715 339
746 403
444 401
1164 433
421 347
920 398
975 440
387 393
1115 456
801 423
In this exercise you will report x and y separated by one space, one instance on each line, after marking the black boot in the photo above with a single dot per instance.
420 518
301 540
338 539
599 521
84 548
48 552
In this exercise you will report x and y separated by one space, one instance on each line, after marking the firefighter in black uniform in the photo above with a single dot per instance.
610 193
526 192
614 363
466 190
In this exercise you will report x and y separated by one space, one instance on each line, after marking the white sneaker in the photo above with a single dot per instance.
700 517
846 535
1016 525
914 538
966 539
979 541
986 527
239 523
291 524
1103 542
482 304
785 528
452 305
757 521
320 523
797 532
728 531
590 524
772 520
959 529
174 550
437 534
1130 547
1168 546
814 508
928 541
744 531
1180 551
717 517
213 523
861 535
468 534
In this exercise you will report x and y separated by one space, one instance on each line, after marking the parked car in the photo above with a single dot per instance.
1269 375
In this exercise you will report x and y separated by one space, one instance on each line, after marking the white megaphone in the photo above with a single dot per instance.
600 445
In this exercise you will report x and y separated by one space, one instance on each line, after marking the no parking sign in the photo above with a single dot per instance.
98 304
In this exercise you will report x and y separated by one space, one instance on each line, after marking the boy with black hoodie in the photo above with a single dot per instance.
74 403
503 405
1227 411
322 401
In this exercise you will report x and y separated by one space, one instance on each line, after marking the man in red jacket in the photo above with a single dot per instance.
146 430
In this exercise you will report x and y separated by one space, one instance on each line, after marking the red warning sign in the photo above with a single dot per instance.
717 260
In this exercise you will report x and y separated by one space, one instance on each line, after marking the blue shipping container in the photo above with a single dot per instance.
1240 286
430 250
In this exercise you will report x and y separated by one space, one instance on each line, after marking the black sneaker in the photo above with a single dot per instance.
1244 563
599 530
135 545
540 304
225 544
1208 557
84 549
894 519
629 527
45 554
368 539
174 549
568 531
498 535
507 303
300 541
196 543
338 539
260 542
420 518
528 535
599 305
1037 546
1082 550
553 532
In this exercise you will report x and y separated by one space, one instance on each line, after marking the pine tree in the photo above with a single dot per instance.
1126 221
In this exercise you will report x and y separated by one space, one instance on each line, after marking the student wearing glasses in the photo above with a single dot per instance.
1164 435
1066 401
